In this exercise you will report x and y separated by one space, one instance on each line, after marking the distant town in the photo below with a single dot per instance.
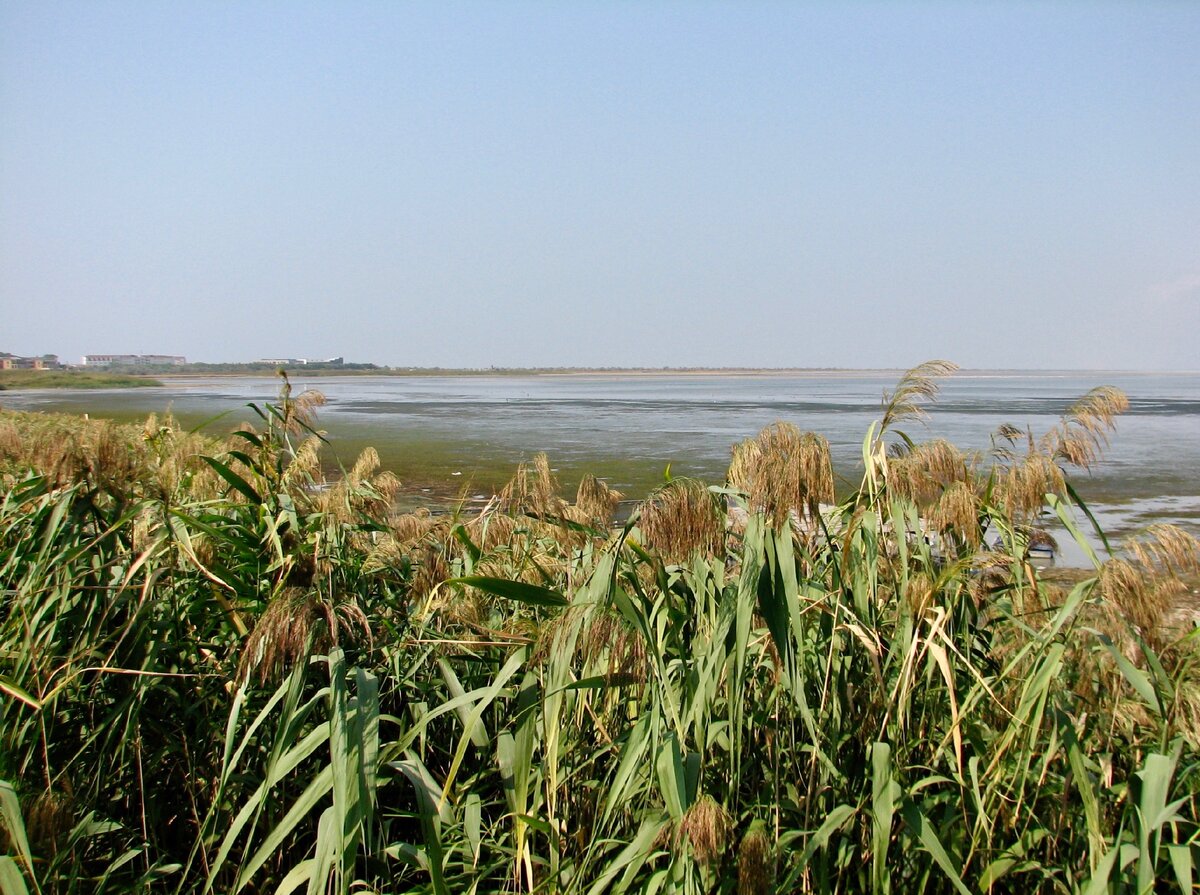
163 362
51 361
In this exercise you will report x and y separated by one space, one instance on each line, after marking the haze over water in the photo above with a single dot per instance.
463 435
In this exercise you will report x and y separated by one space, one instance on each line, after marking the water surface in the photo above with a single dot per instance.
452 435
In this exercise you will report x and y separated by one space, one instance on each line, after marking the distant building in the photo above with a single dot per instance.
133 360
300 361
17 362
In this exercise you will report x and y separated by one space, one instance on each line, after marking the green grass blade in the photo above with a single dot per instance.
916 821
531 594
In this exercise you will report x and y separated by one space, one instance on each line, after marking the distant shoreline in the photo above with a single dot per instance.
632 372
28 380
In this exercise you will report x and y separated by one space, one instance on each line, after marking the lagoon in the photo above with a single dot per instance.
452 436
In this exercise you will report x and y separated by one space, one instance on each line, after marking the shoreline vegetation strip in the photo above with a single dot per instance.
222 671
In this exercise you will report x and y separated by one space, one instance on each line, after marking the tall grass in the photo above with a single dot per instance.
220 672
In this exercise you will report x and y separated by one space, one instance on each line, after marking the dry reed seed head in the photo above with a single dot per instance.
783 469
375 497
923 472
596 501
1082 435
756 865
1022 488
1097 411
295 625
533 490
743 464
429 570
49 818
467 606
300 412
1134 596
491 529
144 524
305 465
941 461
681 518
919 594
557 634
605 634
1010 433
1186 711
281 637
408 528
11 443
957 511
151 431
1167 550
364 467
576 513
1039 537
1148 589
384 554
916 387
705 827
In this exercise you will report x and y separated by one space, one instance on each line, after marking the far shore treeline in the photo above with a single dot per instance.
225 669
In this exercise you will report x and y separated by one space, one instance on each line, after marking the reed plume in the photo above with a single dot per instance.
532 490
916 388
298 414
596 501
756 870
705 827
783 469
956 512
295 625
1083 433
1022 487
1149 588
304 467
49 819
409 528
680 518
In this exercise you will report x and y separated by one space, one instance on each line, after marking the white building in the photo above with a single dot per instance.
133 360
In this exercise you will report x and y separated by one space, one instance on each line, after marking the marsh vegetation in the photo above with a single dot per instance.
89 379
223 671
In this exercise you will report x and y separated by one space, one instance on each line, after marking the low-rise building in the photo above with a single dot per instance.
300 361
17 362
133 360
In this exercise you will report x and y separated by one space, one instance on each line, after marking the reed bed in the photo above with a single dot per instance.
221 672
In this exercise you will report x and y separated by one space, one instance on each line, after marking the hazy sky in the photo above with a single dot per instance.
771 184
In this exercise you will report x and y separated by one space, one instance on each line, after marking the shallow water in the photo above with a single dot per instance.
447 435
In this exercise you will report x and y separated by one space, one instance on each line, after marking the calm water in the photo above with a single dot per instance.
463 435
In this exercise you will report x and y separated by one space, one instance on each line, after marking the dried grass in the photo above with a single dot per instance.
922 472
705 827
783 469
1083 433
492 529
1148 589
916 388
532 490
1022 488
756 865
681 518
49 819
596 502
409 528
295 625
957 513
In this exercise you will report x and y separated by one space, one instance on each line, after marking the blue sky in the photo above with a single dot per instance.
616 184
